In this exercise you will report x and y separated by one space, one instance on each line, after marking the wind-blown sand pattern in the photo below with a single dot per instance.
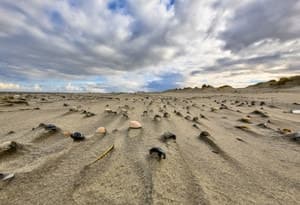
246 156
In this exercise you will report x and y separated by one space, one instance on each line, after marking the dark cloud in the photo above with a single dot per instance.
230 64
263 19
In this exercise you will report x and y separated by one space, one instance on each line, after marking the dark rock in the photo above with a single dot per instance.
263 125
157 117
166 115
204 134
159 151
168 136
260 113
202 116
188 117
239 139
223 106
195 126
77 136
49 127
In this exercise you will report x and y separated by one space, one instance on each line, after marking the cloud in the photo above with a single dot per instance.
9 86
259 20
131 45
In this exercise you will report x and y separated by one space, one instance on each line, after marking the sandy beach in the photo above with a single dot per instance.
230 148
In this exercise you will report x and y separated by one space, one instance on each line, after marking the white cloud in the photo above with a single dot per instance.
72 88
37 87
132 46
9 86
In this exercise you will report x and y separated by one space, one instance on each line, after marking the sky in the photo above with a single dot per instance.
145 45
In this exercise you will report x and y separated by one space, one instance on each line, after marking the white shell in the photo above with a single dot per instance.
135 124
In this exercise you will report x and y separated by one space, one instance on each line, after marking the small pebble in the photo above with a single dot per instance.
101 130
77 136
135 124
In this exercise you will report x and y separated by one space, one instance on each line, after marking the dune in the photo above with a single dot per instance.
220 148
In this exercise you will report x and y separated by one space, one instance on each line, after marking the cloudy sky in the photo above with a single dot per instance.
145 45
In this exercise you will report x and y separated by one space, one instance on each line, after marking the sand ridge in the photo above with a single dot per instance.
244 158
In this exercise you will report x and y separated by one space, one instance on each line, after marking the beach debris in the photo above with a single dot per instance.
242 127
108 110
223 107
74 109
212 109
168 136
11 132
88 114
6 176
157 117
262 103
195 126
202 116
135 124
239 139
125 115
67 133
204 134
207 138
178 113
77 136
241 104
188 117
263 125
166 115
245 120
260 113
49 127
284 130
101 130
158 151
104 153
195 119
124 111
16 99
65 104
294 136
295 111
8 146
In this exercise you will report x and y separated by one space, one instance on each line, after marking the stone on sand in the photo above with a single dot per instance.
135 124
168 136
6 176
77 136
8 146
67 133
101 130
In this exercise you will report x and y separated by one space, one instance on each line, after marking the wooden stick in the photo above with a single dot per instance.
104 153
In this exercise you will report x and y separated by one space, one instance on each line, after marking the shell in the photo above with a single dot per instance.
101 130
135 124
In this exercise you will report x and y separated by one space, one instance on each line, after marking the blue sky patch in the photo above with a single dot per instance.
166 81
116 5
56 18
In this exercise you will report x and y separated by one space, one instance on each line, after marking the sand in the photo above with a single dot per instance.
241 157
